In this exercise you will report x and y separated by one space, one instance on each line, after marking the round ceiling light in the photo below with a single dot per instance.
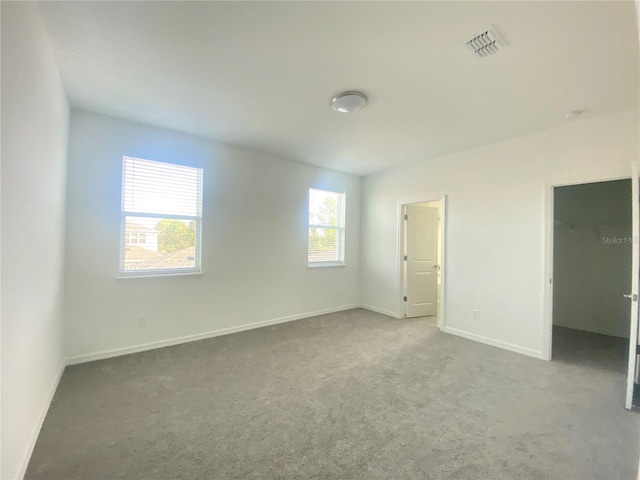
573 114
349 102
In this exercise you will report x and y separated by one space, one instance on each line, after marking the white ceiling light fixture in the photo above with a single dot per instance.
349 102
573 114
486 43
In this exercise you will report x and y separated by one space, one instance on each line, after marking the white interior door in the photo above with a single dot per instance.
421 261
633 296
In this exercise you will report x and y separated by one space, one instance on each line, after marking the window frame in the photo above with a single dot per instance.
341 231
161 272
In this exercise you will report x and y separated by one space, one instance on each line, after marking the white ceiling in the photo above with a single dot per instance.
261 74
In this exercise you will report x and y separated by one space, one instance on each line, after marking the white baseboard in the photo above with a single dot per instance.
495 343
388 313
116 352
22 470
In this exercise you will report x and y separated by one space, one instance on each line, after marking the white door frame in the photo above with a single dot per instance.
547 321
632 366
443 246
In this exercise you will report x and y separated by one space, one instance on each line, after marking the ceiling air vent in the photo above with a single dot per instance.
486 43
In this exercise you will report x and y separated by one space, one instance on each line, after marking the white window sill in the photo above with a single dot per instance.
158 275
326 265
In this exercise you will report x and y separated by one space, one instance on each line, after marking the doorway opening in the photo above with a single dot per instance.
421 260
591 272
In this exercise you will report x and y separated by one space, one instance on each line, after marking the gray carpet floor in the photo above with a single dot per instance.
351 395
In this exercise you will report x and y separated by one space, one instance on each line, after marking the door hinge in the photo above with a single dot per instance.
405 299
405 257
406 217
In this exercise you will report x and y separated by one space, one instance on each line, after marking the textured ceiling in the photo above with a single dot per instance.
261 74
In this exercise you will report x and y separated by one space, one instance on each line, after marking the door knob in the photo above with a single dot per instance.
631 296
437 267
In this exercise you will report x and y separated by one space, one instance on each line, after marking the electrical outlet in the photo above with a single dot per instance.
475 314
141 322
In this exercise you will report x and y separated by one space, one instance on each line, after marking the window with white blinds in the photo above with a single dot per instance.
161 218
326 227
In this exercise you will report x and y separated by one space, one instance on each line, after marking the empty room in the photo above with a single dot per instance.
320 240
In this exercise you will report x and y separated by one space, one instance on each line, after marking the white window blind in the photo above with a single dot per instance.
161 188
326 227
161 217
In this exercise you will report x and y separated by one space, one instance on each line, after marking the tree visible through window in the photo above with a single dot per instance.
326 227
174 235
161 217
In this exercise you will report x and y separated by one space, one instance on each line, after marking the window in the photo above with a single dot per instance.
161 218
326 227
133 237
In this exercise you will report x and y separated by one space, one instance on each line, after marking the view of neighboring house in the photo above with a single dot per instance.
141 250
141 236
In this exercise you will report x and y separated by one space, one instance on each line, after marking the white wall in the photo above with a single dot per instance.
495 223
34 136
254 250
592 257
